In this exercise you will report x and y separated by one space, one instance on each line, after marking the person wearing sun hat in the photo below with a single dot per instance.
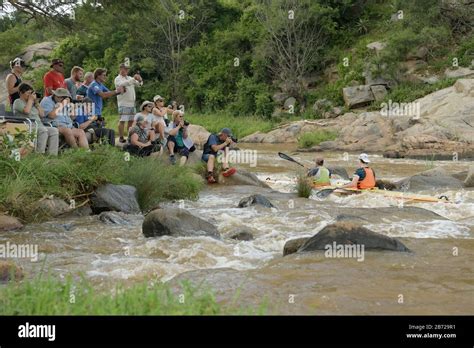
364 176
145 111
54 78
141 142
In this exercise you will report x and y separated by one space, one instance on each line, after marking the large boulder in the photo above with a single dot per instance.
255 200
350 233
242 177
199 135
379 92
111 197
357 96
465 86
177 223
432 179
8 223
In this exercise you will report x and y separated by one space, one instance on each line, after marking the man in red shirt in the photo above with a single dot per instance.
54 78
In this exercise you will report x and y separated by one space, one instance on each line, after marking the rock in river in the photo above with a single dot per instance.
351 233
8 223
115 198
255 200
178 223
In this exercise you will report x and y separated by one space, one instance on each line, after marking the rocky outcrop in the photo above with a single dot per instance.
111 197
430 180
177 223
349 233
357 96
458 73
9 223
255 200
437 126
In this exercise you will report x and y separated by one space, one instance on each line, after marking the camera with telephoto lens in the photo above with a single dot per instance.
234 139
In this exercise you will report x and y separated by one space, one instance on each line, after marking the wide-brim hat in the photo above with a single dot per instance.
62 92
56 61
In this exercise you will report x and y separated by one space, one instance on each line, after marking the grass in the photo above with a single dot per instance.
54 297
75 174
303 185
310 139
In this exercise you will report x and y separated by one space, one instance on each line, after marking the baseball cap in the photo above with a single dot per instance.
226 131
140 119
364 158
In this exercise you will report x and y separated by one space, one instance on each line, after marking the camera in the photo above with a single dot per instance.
186 123
235 140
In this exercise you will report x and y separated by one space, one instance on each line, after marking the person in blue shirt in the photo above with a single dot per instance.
216 143
58 110
97 91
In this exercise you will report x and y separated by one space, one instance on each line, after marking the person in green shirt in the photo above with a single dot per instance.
321 175
27 106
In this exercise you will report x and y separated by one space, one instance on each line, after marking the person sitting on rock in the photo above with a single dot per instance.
145 111
216 143
58 111
321 175
364 176
178 138
141 140
160 113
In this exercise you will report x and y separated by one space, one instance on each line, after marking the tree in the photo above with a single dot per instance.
297 32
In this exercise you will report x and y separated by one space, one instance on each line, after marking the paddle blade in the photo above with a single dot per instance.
288 158
324 193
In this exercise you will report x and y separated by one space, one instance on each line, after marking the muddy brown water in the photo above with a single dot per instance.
437 278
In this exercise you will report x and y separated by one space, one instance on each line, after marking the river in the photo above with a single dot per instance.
437 278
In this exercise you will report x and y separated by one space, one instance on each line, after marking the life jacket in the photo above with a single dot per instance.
369 180
323 177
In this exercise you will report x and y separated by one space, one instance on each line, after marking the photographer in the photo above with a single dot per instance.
27 106
178 139
141 140
218 143
57 109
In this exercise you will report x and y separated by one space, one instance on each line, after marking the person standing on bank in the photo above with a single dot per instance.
13 80
126 101
54 78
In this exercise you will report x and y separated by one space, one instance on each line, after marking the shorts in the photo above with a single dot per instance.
205 156
181 150
126 113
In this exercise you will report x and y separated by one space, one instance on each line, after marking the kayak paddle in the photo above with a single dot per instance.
288 158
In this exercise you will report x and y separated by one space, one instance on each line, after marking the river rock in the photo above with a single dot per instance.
111 197
242 233
357 96
8 223
51 207
255 200
428 180
340 171
114 218
469 182
351 233
177 223
10 271
293 245
242 177
458 73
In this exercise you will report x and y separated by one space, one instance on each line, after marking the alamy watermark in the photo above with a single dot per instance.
19 251
393 109
240 157
347 251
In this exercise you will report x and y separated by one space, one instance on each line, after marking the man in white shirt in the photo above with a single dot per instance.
126 100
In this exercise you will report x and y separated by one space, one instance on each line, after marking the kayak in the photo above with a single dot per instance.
405 197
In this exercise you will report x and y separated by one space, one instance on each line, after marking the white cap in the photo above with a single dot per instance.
364 158
156 97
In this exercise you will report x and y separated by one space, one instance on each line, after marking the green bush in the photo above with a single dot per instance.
303 185
310 139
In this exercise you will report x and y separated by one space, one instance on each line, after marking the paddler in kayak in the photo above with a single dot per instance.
321 175
364 176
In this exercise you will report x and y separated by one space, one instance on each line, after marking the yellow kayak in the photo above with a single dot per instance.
406 197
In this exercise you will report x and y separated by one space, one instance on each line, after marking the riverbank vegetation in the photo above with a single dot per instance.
310 139
49 296
75 174
225 59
